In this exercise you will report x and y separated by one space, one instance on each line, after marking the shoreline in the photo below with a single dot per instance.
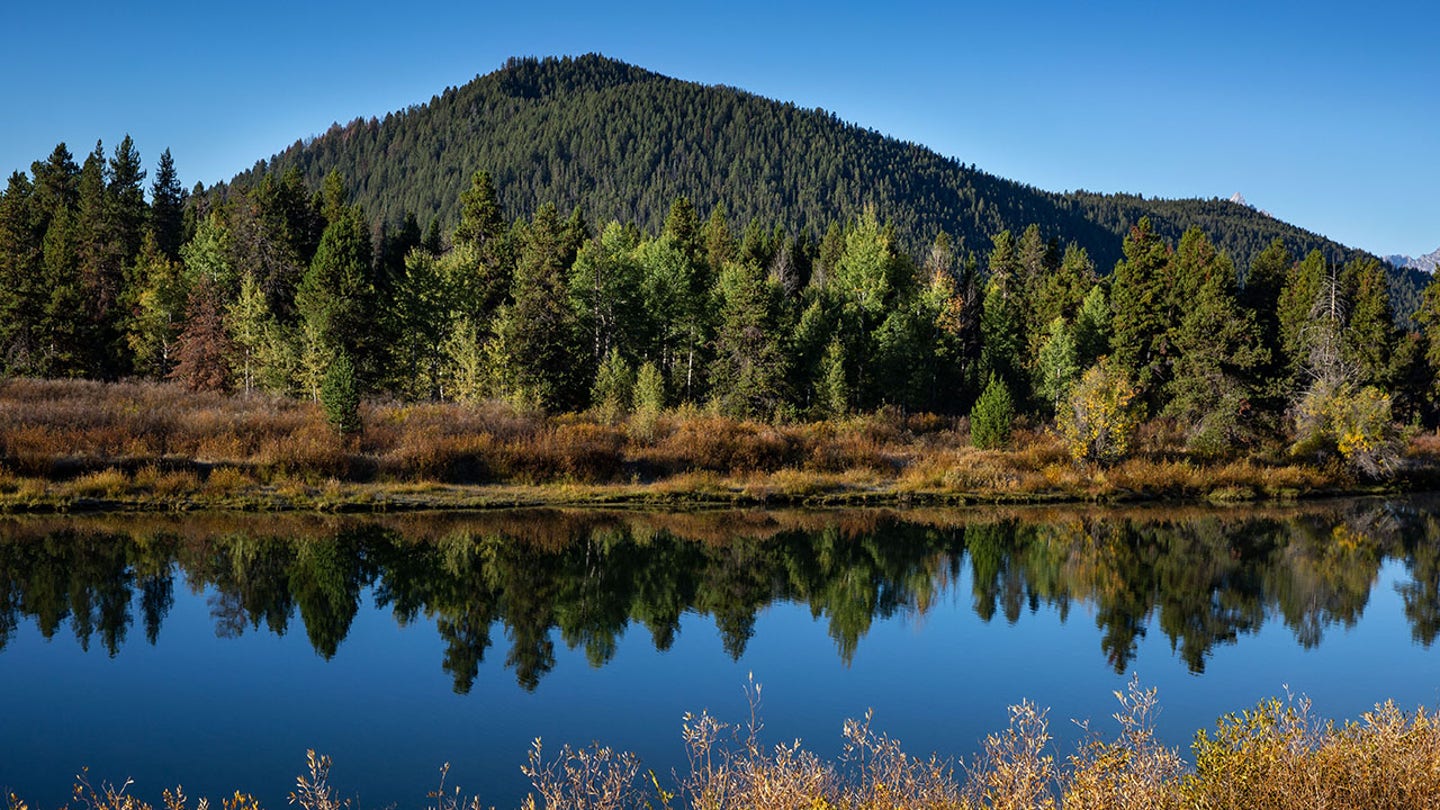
693 492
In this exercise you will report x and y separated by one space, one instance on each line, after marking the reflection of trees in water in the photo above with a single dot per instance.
1202 578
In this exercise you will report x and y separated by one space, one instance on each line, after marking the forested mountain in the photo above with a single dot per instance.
623 143
825 270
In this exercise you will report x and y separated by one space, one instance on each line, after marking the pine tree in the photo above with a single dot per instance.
682 229
1260 296
1141 304
340 396
1217 352
66 341
993 417
749 373
1428 317
22 289
337 299
720 246
167 207
1370 333
481 218
539 328
1303 286
1001 343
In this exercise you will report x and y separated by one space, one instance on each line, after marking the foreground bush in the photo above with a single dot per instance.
1273 757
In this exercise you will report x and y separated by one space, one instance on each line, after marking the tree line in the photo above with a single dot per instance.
289 289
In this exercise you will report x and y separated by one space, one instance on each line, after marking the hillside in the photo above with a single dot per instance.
622 142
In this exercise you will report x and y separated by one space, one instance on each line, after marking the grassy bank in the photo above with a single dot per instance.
76 445
1276 756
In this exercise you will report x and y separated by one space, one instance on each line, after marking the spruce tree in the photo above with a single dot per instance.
340 396
1142 308
993 417
1217 352
1370 334
167 207
337 297
22 288
749 373
538 330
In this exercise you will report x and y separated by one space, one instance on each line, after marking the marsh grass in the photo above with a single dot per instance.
1276 756
152 440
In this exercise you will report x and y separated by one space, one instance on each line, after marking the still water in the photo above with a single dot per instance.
212 651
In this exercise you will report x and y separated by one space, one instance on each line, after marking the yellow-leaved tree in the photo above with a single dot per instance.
1099 418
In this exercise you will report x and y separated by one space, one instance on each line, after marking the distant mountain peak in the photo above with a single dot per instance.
1428 262
1239 199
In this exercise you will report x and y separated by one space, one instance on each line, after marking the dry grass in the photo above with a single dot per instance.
169 444
1273 757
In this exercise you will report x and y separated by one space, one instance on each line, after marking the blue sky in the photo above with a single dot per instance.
1327 115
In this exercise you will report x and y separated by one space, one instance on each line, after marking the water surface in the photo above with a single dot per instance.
214 650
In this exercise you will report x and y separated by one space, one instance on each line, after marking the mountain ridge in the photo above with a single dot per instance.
1426 263
622 142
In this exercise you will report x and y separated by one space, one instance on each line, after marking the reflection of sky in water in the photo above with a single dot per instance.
219 714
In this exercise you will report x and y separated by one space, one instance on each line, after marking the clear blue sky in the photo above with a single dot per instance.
1325 114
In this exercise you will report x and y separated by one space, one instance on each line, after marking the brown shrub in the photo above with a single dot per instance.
718 444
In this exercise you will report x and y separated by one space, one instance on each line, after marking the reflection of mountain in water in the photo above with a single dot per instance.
1204 577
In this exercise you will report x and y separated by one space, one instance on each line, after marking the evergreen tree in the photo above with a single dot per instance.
481 218
682 229
1370 334
22 289
538 330
1001 342
1141 304
1260 297
422 315
1217 351
66 342
56 186
167 207
749 373
1062 291
337 298
993 417
720 246
1302 290
1428 317
340 396
128 212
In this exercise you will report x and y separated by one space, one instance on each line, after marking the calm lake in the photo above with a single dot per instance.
212 651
